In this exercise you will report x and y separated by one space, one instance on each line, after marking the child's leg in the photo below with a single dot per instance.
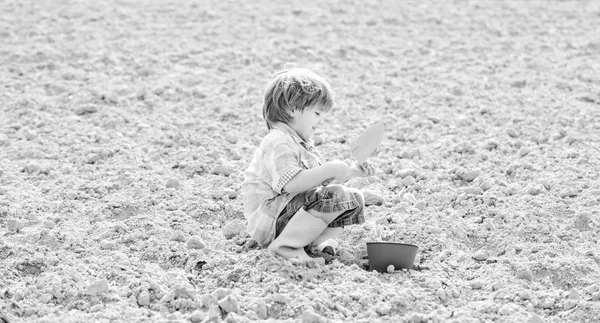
337 220
323 208
300 231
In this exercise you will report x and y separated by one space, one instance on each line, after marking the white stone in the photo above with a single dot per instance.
98 287
229 304
195 243
481 255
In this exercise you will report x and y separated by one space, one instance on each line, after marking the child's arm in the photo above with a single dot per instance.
310 178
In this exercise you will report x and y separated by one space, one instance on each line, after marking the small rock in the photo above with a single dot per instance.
143 299
221 193
280 299
207 300
98 288
48 225
536 189
32 168
485 185
574 294
519 84
524 274
497 286
197 316
232 139
312 263
408 181
481 255
540 139
569 304
173 183
391 269
233 229
596 296
382 308
382 220
235 155
478 220
403 173
476 284
468 175
262 311
86 109
546 185
178 292
14 225
46 298
548 303
463 148
569 192
29 134
410 198
421 205
417 318
56 292
222 169
195 243
523 152
534 318
582 222
309 316
524 295
507 309
433 229
4 140
512 133
108 245
229 304
48 240
592 289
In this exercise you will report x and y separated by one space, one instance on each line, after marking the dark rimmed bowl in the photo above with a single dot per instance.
383 254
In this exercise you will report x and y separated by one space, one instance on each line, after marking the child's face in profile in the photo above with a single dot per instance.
305 122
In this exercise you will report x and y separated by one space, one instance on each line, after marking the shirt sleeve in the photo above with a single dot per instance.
282 164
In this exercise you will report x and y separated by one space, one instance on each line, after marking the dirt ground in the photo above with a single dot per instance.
125 127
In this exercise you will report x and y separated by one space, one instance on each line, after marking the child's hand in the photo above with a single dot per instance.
340 170
343 171
363 170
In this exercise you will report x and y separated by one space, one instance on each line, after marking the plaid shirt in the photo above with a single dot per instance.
281 155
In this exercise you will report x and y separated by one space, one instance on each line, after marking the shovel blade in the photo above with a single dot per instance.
363 146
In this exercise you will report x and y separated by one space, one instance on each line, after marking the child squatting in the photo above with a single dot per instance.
286 203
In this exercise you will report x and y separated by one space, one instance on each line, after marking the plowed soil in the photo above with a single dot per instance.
125 128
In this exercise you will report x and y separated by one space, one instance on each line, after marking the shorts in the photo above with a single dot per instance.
326 199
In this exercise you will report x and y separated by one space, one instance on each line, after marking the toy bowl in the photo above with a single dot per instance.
383 254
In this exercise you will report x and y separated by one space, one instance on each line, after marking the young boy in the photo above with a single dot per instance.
285 203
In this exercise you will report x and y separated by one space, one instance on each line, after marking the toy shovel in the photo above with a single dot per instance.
363 146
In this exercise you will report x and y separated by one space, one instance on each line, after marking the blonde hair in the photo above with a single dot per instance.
294 88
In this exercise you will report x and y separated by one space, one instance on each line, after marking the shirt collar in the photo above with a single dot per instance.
287 129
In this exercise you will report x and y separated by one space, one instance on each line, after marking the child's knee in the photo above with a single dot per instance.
351 194
334 200
343 193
